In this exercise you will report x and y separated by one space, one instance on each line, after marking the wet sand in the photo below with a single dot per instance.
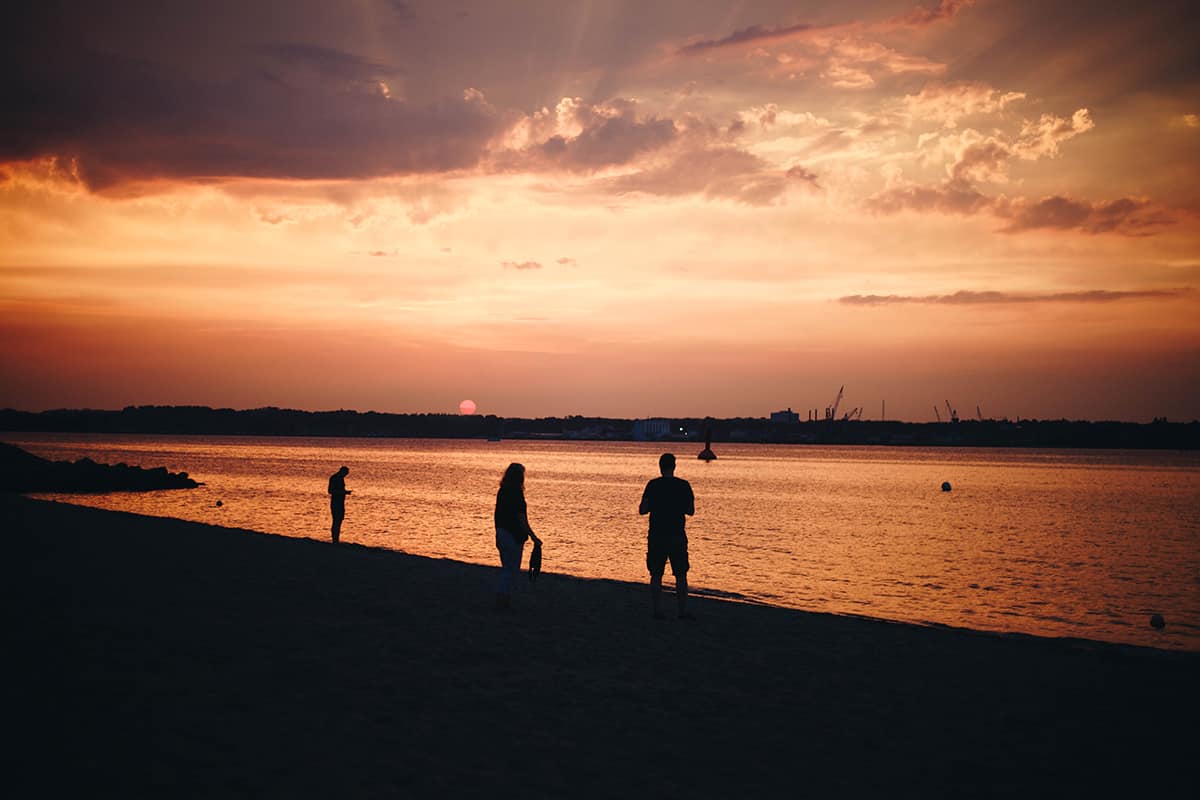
164 658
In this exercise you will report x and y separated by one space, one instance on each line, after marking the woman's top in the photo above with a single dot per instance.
510 513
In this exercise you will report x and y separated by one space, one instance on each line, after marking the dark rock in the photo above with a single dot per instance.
1157 622
24 472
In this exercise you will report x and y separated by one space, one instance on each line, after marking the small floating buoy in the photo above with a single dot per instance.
219 504
945 486
1157 622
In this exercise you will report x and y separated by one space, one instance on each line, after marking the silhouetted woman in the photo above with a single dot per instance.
512 529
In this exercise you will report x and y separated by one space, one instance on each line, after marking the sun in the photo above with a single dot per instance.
466 407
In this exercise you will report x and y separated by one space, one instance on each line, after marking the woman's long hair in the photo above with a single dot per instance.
514 477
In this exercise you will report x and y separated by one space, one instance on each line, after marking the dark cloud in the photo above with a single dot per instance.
566 262
613 141
124 121
277 110
755 33
1124 216
137 90
968 298
981 161
760 34
799 173
949 197
520 265
928 15
584 137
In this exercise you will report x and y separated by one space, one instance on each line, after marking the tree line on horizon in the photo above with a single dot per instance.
272 421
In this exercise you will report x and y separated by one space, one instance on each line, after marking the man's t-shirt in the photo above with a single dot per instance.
668 499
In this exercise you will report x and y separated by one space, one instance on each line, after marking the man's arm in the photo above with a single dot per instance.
691 501
644 508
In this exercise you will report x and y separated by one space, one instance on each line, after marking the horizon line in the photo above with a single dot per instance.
1010 420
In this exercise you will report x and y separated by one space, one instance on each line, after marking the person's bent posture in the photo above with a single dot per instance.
337 501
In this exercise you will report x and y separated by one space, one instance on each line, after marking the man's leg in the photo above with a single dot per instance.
656 595
336 529
681 594
656 563
679 568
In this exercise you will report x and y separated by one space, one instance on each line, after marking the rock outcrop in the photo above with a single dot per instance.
21 471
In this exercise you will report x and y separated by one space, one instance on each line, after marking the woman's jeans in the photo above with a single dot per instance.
510 560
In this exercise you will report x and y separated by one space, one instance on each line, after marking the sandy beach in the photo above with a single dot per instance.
173 659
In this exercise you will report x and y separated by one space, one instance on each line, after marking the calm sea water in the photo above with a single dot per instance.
1055 543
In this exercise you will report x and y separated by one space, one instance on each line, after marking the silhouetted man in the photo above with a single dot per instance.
337 500
667 500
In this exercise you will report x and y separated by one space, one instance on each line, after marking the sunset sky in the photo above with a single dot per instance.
610 208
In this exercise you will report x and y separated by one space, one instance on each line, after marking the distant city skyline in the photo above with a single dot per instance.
686 208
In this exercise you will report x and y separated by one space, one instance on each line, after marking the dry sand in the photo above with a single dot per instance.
172 659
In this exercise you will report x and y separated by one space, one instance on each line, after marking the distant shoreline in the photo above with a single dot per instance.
205 421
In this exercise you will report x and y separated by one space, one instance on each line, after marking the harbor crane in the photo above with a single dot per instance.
953 412
831 412
978 413
937 414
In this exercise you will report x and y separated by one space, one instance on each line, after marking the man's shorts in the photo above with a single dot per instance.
660 550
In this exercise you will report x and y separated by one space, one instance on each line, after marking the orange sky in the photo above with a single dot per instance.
603 208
